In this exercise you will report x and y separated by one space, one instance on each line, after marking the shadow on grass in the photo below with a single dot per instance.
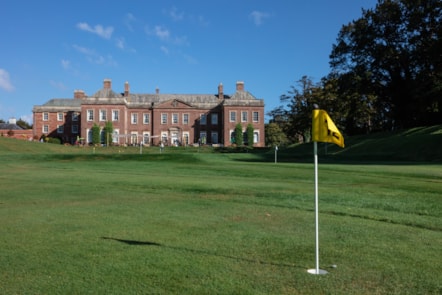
201 252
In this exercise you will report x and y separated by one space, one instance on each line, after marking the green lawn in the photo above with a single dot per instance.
189 221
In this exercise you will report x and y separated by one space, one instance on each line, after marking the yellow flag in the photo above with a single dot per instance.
324 130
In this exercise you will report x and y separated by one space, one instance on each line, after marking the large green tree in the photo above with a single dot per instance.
389 63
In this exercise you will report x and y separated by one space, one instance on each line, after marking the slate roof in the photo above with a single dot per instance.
108 96
60 104
8 126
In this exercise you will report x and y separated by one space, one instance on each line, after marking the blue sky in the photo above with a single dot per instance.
50 48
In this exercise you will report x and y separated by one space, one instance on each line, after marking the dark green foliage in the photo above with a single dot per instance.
239 139
23 124
275 136
386 74
389 60
96 134
250 131
54 140
108 131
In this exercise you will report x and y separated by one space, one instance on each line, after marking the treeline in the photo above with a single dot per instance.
386 74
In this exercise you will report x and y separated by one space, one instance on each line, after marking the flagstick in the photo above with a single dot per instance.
316 270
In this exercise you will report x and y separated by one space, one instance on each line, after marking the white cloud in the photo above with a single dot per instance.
5 82
94 57
258 17
120 43
66 64
99 30
84 50
58 85
165 50
161 32
129 18
175 14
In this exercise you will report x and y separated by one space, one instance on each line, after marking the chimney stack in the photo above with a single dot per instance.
107 84
220 91
239 86
157 90
126 89
79 94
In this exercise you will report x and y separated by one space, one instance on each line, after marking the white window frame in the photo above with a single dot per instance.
186 119
232 116
115 136
244 116
90 115
134 118
134 137
175 118
255 136
163 118
103 115
89 135
115 115
146 118
60 117
164 137
75 116
186 138
45 129
255 117
146 138
45 116
60 129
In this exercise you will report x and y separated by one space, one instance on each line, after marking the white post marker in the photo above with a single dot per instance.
323 130
276 153
316 271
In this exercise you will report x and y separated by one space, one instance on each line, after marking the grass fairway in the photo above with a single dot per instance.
75 221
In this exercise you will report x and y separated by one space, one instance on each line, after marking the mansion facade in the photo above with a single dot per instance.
149 119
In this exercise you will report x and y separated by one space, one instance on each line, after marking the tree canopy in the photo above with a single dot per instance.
386 73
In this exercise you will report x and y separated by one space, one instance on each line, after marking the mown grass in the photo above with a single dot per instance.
189 221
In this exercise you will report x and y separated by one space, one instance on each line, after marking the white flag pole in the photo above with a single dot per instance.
316 270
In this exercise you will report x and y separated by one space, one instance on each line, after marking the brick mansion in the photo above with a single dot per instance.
149 119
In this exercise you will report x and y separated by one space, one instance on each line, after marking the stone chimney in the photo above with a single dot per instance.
220 91
79 94
239 86
126 89
107 84
157 90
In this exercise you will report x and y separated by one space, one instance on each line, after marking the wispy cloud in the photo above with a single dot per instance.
5 82
58 85
129 19
164 35
104 32
165 50
258 17
94 57
174 14
66 64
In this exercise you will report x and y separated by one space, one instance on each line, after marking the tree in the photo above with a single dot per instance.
108 131
95 134
275 136
238 135
23 124
388 62
300 101
250 132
